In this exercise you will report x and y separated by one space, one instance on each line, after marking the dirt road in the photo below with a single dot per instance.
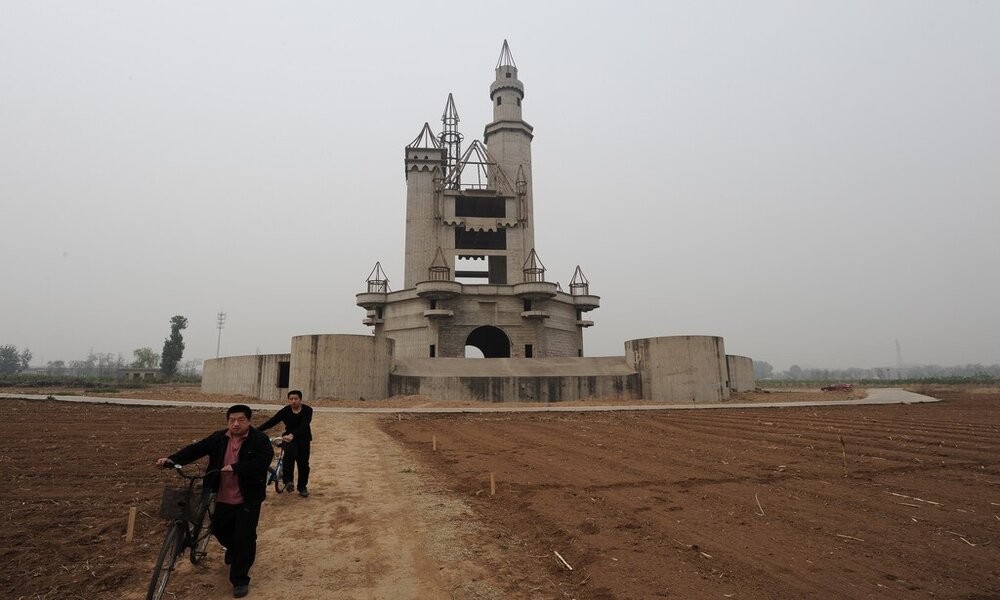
370 529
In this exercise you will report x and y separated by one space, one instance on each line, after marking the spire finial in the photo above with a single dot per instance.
450 114
424 139
506 60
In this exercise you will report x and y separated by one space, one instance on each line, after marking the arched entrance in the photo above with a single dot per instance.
491 341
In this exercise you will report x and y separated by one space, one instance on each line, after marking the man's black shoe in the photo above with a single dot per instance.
289 487
304 493
240 591
229 557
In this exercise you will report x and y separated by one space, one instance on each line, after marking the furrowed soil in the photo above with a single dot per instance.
847 502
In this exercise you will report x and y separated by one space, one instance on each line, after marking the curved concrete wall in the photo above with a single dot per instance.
687 368
341 366
255 376
740 373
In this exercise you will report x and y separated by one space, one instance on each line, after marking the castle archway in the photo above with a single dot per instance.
491 341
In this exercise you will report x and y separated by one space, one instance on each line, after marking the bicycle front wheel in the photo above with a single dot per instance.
275 476
172 547
202 533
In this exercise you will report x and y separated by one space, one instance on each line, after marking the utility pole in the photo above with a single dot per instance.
221 322
899 361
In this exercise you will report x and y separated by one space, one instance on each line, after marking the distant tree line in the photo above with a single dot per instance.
763 370
12 361
108 365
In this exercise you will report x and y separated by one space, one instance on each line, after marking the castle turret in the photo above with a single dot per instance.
425 163
508 139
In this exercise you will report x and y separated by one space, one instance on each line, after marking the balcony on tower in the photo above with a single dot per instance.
579 289
438 285
378 287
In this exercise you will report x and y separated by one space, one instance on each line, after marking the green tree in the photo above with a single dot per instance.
173 346
26 357
145 358
10 360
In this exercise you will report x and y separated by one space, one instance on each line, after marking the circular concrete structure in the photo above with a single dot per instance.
341 366
683 368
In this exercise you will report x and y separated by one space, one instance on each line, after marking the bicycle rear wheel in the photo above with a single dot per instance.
275 476
172 547
202 533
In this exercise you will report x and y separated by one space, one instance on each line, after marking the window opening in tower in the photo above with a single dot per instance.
480 240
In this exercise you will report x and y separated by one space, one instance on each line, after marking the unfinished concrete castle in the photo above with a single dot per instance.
467 208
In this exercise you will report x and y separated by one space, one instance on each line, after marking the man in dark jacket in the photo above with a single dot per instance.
241 455
296 417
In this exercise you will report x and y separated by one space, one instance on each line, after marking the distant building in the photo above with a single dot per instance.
139 374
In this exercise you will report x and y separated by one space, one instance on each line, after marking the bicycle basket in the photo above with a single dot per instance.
180 503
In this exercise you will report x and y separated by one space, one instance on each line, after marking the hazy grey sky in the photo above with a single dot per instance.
809 180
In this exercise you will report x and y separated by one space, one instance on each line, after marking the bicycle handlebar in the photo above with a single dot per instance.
179 469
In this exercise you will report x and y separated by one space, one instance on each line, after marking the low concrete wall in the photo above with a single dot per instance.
516 379
740 373
341 366
688 368
255 376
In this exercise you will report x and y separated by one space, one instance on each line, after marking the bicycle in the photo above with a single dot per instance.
190 511
274 473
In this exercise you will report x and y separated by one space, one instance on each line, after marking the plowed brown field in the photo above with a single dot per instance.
761 503
698 504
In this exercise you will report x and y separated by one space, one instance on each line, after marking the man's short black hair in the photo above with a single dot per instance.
240 408
295 393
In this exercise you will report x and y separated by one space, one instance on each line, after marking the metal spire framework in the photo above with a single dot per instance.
505 60
378 282
533 268
451 140
579 285
425 139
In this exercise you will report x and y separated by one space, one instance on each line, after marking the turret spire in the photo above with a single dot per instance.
451 139
425 139
505 60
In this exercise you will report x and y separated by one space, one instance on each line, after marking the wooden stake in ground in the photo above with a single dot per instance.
493 484
130 533
559 556
843 449
434 443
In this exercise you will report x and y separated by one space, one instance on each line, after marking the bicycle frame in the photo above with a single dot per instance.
194 531
274 473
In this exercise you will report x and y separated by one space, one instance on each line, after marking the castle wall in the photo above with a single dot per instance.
680 368
516 379
253 376
740 373
478 305
341 366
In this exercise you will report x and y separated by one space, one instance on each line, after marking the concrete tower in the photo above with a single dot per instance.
508 139
472 276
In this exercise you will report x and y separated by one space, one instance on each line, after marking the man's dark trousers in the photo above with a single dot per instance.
296 453
235 526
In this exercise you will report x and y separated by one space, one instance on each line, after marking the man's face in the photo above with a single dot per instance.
295 401
239 424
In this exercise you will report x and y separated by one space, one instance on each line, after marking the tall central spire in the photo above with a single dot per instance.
451 140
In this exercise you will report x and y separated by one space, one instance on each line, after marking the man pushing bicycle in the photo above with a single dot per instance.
296 418
242 455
